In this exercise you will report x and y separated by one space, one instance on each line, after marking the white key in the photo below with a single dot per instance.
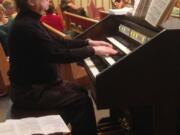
91 66
119 45
110 60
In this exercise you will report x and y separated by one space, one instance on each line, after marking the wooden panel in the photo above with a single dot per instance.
56 32
84 22
4 67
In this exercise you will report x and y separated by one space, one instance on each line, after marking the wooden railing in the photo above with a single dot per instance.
103 14
80 23
56 32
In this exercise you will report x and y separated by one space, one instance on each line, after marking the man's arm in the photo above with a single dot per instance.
57 53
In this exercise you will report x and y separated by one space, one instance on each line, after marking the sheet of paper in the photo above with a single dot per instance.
156 10
27 126
7 128
53 124
34 125
141 7
121 11
136 3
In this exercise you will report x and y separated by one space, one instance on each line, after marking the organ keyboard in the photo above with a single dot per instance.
120 42
92 67
144 72
125 35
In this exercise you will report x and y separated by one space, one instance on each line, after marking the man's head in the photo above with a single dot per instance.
38 6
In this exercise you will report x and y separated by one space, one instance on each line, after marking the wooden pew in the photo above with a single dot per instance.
81 23
56 32
71 72
4 67
103 14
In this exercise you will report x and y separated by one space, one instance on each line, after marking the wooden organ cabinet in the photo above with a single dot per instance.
144 72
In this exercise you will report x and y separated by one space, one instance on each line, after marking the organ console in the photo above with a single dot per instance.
144 72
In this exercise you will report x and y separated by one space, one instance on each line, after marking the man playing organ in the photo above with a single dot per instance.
33 74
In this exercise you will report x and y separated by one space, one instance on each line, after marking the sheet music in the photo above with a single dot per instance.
7 129
34 125
141 7
53 124
27 126
136 5
156 10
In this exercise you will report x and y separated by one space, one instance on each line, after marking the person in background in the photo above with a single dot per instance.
3 17
5 24
118 4
176 9
34 55
52 19
9 5
178 4
70 6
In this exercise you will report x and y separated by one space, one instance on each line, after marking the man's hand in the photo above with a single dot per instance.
104 50
98 43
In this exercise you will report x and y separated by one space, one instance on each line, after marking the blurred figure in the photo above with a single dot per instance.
178 4
117 4
69 6
9 5
52 19
176 10
5 25
3 17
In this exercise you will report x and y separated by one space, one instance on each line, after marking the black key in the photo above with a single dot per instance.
99 63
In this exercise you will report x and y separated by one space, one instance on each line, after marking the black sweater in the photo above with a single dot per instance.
34 53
